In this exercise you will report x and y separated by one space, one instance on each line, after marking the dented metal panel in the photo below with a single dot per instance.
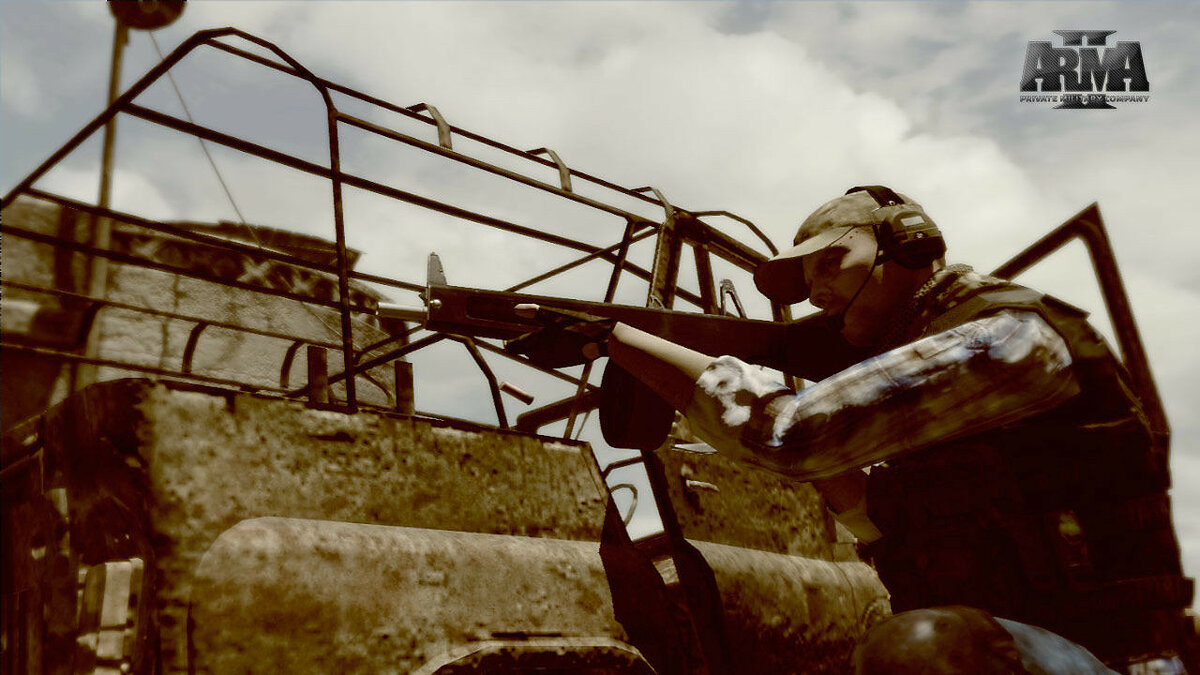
282 595
286 595
130 469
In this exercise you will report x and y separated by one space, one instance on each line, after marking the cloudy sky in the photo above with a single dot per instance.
762 109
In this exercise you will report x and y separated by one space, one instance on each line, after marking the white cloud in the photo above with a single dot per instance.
18 86
131 191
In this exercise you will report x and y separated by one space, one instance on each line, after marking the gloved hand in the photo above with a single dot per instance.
566 339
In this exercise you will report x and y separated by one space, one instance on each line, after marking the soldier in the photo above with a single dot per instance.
989 452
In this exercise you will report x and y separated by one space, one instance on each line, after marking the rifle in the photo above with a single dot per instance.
629 411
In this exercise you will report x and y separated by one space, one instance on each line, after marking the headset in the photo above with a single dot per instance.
904 233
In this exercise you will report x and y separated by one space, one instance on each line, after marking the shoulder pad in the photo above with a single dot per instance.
983 300
1064 307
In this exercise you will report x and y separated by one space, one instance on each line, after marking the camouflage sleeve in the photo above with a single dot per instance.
973 377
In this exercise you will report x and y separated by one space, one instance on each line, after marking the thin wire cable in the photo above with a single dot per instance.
329 323
204 146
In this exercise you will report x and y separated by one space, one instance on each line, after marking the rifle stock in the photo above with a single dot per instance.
805 348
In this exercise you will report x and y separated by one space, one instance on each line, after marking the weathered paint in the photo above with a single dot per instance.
282 595
170 474
285 595
749 507
159 472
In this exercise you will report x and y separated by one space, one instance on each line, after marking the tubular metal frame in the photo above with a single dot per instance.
678 228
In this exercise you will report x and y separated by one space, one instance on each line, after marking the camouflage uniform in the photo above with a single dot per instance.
1061 519
1013 469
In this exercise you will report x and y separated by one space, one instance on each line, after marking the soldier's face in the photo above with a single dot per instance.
843 278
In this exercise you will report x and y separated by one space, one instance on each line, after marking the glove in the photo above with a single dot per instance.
566 338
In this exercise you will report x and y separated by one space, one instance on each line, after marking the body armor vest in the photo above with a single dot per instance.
1061 520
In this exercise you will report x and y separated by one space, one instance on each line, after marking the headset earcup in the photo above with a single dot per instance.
905 234
909 237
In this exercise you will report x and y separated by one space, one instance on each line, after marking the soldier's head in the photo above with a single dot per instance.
858 258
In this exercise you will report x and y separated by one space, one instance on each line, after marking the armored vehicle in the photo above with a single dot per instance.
180 495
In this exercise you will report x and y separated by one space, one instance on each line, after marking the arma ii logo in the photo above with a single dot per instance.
1085 72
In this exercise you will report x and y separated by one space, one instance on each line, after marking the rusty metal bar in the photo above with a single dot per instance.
549 371
122 365
335 177
341 89
705 277
152 264
753 228
100 120
189 350
285 371
620 464
728 289
564 174
343 259
493 383
216 242
619 263
387 340
483 345
443 129
318 375
624 243
387 392
1088 226
583 382
351 179
627 239
539 417
442 151
16 285
727 248
343 303
381 359
355 181
633 504
665 271
405 394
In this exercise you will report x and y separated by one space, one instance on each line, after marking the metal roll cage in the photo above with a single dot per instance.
677 228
